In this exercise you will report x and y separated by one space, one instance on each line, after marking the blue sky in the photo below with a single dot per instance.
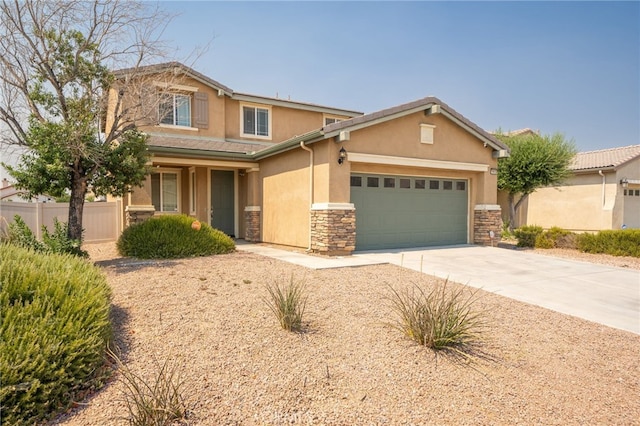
569 67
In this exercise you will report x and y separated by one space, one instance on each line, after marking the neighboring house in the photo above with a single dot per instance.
304 175
9 193
603 192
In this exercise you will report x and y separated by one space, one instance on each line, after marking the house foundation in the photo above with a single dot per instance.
487 224
333 229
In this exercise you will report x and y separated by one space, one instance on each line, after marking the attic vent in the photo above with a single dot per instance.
426 133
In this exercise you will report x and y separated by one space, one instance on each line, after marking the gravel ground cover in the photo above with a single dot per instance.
206 316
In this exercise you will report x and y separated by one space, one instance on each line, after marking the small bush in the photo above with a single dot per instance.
288 302
54 327
155 402
57 242
439 318
617 243
172 237
527 235
556 238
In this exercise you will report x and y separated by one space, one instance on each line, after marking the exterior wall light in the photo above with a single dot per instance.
342 155
624 182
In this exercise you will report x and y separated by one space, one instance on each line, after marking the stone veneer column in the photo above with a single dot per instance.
333 228
252 223
487 218
138 214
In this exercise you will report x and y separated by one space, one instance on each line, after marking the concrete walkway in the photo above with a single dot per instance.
599 293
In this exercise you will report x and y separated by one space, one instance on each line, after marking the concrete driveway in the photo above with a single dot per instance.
603 294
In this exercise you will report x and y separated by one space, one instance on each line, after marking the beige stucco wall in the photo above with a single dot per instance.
285 122
583 203
286 198
286 201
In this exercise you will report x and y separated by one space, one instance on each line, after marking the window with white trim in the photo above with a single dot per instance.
330 120
174 109
164 191
255 121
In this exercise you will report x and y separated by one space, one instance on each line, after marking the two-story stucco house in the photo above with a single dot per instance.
317 177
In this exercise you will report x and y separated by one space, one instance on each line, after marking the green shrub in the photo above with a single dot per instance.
54 326
527 235
172 237
288 302
617 243
57 242
439 318
556 238
543 241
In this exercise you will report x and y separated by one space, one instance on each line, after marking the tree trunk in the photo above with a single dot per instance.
76 208
512 212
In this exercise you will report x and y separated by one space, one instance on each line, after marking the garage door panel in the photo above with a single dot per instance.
416 211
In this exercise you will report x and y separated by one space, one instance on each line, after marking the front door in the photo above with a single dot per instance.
222 202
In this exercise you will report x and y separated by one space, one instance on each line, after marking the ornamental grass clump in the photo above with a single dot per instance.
55 327
172 237
439 318
287 301
156 402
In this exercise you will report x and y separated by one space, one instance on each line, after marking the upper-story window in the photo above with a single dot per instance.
330 120
256 121
175 109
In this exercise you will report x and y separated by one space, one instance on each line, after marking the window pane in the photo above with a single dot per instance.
328 121
356 180
420 184
461 186
169 192
389 182
372 182
249 121
165 109
434 184
405 183
155 191
183 110
447 185
263 122
637 192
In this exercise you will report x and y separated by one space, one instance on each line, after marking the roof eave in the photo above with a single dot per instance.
199 153
289 144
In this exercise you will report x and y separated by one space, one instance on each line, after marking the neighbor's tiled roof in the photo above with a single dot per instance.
210 145
604 158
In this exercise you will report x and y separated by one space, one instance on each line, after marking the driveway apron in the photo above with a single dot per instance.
598 293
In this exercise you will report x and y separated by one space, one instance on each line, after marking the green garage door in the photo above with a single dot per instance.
406 211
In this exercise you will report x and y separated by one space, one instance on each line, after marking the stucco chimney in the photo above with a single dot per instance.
5 182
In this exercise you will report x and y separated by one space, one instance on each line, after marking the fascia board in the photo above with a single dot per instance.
204 162
377 121
357 157
197 153
288 145
292 104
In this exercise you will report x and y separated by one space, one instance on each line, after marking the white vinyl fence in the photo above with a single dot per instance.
102 221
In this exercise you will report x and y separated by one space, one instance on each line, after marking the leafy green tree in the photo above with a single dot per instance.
535 161
55 59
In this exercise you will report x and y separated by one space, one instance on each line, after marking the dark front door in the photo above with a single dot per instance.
222 202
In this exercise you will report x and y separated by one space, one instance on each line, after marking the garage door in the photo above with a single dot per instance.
407 211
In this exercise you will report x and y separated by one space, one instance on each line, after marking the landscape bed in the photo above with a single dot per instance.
207 317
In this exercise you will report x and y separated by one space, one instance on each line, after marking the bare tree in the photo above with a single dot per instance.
56 59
